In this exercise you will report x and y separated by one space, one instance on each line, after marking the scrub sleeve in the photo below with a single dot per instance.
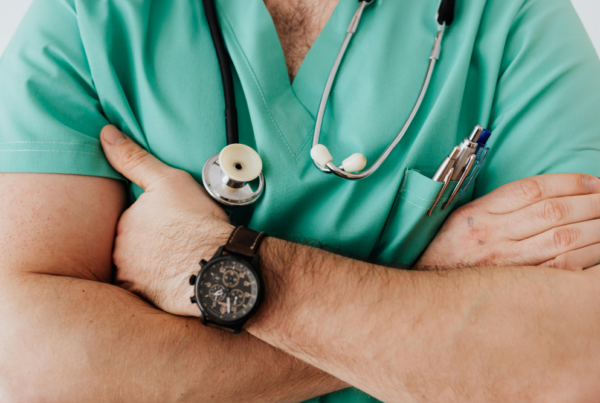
524 68
546 110
540 89
50 116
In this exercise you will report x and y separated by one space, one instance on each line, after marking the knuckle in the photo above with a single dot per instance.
180 175
551 264
174 177
132 157
585 181
560 262
595 205
554 211
531 189
565 237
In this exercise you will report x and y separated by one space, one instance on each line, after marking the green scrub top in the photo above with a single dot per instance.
523 68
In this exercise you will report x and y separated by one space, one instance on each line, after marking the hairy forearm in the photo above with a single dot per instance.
473 335
66 339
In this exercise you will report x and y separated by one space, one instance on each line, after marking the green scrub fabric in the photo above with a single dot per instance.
523 68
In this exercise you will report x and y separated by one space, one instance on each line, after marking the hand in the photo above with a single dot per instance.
163 236
548 220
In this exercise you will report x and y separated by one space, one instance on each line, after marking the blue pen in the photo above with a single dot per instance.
481 155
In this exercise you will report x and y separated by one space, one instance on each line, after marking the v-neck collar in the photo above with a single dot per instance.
257 54
313 73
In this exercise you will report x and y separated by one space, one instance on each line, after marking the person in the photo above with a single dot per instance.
475 334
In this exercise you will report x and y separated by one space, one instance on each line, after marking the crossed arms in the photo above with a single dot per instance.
500 334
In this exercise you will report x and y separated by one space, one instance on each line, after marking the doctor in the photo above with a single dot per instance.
521 67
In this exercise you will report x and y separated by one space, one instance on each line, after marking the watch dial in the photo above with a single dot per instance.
228 290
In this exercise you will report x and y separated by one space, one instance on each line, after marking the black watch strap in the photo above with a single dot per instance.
244 241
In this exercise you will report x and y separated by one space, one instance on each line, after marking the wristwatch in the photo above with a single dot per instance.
228 290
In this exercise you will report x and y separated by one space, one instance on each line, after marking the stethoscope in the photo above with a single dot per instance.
227 176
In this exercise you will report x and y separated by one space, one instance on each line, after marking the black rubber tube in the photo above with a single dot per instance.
446 12
231 122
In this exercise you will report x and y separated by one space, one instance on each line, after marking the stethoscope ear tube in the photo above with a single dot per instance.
320 155
446 12
231 121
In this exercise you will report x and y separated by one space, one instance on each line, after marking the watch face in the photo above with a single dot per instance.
228 289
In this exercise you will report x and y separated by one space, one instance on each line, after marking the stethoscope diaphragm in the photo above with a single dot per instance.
227 176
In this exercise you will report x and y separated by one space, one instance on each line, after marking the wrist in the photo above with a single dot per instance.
282 266
210 238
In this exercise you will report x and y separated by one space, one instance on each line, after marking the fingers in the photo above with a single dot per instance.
131 160
558 241
550 213
525 192
576 260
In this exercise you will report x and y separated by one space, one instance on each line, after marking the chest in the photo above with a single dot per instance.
298 25
170 100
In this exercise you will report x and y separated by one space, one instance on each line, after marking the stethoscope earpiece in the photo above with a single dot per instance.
227 175
322 157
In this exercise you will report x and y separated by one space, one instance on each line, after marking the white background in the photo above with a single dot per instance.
11 12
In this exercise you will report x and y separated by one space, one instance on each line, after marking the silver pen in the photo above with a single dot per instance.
448 163
443 174
467 147
466 171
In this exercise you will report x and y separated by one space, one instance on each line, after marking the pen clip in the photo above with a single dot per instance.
476 169
439 196
469 166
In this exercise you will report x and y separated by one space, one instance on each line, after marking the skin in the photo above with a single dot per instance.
121 348
496 334
298 24
536 221
69 335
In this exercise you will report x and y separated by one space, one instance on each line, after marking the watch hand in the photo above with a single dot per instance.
228 305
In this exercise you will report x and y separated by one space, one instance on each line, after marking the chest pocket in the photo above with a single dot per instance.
409 229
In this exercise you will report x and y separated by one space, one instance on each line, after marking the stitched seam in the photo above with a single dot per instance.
256 240
441 201
414 204
267 107
404 181
49 151
258 86
408 191
233 235
49 142
308 140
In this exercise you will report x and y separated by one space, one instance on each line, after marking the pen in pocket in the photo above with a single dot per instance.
444 174
465 159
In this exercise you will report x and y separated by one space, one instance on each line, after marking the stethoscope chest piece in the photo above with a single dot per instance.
227 176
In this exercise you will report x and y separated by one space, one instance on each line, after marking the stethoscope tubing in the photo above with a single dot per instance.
231 119
433 58
212 174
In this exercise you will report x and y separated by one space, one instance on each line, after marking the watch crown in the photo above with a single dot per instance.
203 262
193 299
193 280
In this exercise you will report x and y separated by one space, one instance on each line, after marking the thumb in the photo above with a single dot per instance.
131 160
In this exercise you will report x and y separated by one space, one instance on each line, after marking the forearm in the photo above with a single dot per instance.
464 336
66 339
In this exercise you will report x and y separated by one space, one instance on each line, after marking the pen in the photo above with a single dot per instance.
466 170
448 163
467 147
443 174
446 181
